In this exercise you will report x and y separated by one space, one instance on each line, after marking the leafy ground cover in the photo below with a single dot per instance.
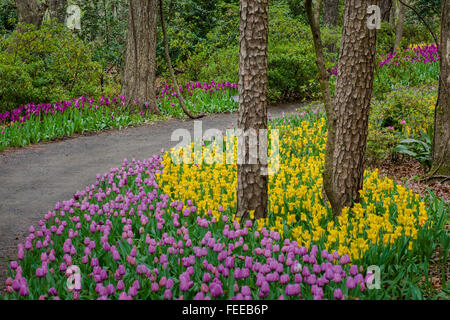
153 229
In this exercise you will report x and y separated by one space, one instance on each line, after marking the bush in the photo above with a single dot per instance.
292 70
8 16
45 65
400 115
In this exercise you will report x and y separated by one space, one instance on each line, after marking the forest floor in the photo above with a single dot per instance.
33 179
410 173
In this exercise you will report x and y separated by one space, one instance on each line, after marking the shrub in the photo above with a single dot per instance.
8 16
402 114
45 65
292 70
419 148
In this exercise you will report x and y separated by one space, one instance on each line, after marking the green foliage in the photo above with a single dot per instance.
403 73
419 149
45 65
297 9
104 23
8 16
428 8
385 38
380 144
418 33
292 71
71 121
400 115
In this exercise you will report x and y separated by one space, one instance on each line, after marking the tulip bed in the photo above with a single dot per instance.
155 230
33 123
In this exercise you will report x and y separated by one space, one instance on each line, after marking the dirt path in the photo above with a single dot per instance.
33 179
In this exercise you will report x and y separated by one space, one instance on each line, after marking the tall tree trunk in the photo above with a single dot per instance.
331 12
385 7
441 141
138 82
400 24
30 11
57 9
351 107
252 180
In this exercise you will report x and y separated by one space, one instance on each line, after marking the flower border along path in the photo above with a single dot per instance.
33 179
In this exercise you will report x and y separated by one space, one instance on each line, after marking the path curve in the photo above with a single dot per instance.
35 178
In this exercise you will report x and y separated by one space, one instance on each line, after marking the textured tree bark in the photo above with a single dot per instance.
385 6
253 28
351 107
29 11
441 140
138 81
400 24
331 12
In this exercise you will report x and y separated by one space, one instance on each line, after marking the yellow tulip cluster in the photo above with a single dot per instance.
385 213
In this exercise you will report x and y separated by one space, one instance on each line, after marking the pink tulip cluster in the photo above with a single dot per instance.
130 241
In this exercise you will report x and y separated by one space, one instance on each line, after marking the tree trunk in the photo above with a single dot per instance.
441 144
29 11
331 12
252 180
138 82
351 107
57 9
385 7
400 24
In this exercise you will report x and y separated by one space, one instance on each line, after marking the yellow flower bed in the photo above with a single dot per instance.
386 213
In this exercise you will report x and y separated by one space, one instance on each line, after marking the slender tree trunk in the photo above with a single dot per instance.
30 11
385 6
325 87
400 24
138 82
441 141
252 180
351 107
169 65
331 12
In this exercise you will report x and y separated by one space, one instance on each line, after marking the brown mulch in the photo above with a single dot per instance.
409 173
